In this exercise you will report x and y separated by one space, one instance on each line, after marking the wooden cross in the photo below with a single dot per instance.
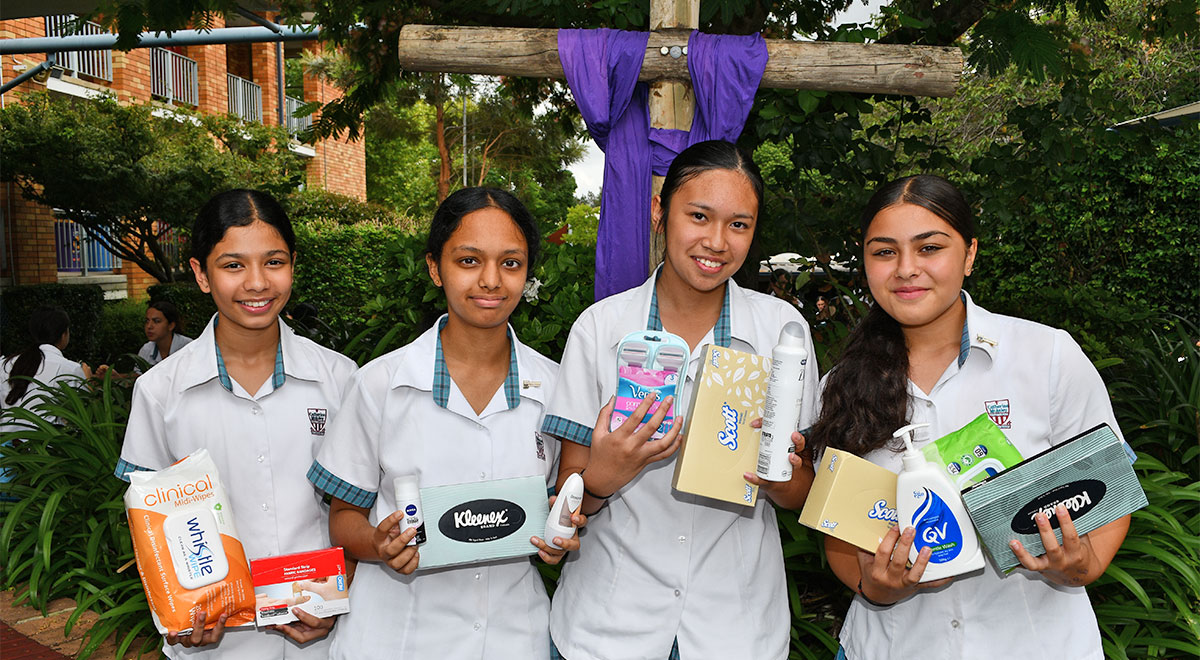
830 66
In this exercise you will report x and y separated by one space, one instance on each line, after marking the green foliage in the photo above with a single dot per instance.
320 205
195 307
83 303
67 535
584 222
133 180
121 333
1147 601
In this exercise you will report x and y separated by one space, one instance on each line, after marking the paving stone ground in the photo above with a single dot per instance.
27 634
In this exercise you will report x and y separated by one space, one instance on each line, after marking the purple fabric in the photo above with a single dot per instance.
602 67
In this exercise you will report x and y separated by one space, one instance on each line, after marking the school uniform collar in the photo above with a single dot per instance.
417 373
645 308
50 349
206 363
980 331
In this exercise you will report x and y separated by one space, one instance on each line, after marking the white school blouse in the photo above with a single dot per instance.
1040 389
149 350
55 367
262 444
404 415
656 564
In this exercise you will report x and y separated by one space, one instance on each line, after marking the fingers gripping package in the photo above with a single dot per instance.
187 548
648 361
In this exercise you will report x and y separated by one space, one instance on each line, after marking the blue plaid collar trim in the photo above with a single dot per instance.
277 378
964 345
441 375
722 331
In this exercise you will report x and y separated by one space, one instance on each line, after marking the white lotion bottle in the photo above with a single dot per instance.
927 501
781 409
408 501
570 498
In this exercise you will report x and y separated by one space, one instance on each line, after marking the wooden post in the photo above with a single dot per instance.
672 104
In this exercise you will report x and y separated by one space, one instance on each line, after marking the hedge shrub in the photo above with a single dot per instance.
84 303
121 332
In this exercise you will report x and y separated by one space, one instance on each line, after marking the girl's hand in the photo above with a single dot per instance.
616 457
308 628
391 545
1068 564
885 576
199 636
552 555
788 494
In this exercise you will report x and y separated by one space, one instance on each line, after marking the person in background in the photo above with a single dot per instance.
164 332
42 363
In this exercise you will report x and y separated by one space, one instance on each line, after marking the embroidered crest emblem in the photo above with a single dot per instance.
316 420
998 411
541 445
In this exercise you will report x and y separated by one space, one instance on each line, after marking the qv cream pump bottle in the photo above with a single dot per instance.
570 498
408 500
781 409
927 501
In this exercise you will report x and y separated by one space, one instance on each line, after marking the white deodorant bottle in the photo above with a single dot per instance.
928 502
781 410
408 500
570 498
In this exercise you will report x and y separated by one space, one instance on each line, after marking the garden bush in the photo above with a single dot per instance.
120 333
84 304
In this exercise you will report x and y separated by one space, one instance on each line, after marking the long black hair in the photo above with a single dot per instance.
462 202
703 157
46 326
239 207
866 394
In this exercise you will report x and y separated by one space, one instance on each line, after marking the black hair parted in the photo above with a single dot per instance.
237 208
461 202
865 398
702 157
46 326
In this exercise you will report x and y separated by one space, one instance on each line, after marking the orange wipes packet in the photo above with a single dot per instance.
187 548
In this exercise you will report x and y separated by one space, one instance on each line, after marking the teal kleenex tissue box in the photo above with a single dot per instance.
482 521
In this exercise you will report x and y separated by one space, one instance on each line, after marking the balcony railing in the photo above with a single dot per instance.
77 253
245 98
173 77
295 124
94 63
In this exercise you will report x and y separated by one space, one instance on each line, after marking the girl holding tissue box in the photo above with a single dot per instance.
666 574
462 403
927 353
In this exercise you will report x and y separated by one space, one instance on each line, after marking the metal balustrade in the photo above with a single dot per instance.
75 252
94 63
173 77
295 124
245 98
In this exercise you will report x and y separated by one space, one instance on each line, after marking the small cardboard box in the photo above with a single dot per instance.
1090 474
719 445
851 499
482 521
313 581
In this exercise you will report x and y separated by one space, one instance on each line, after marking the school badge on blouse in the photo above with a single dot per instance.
316 420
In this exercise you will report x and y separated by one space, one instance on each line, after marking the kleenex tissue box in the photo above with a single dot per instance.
851 499
719 445
1090 474
482 521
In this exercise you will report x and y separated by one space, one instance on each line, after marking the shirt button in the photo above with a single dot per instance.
928 404
261 458
265 507
954 623
477 626
682 539
678 593
477 576
483 475
255 410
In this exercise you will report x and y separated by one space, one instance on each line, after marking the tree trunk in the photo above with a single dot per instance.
443 180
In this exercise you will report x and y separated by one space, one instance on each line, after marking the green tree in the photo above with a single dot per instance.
134 180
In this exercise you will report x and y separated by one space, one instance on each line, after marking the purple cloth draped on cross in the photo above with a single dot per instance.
602 68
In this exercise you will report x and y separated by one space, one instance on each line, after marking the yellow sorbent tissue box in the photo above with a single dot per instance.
719 446
852 499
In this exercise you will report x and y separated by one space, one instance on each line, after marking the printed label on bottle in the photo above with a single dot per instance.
937 528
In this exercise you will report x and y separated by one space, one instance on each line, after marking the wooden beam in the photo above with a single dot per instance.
832 66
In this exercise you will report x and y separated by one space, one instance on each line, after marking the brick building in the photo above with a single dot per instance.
240 79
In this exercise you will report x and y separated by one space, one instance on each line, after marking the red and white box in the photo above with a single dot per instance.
313 581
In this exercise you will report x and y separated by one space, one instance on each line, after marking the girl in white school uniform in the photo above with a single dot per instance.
460 404
258 398
927 353
663 573
163 332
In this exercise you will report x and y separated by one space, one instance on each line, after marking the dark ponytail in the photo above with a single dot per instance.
866 394
46 326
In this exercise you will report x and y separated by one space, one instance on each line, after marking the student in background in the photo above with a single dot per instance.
164 332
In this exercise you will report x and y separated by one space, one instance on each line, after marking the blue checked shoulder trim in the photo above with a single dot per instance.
124 467
328 482
567 430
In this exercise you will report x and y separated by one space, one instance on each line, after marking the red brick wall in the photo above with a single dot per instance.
31 239
339 165
265 67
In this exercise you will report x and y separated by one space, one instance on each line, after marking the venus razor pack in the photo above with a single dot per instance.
1090 474
648 361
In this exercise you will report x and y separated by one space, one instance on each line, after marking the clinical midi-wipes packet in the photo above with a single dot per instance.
187 548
